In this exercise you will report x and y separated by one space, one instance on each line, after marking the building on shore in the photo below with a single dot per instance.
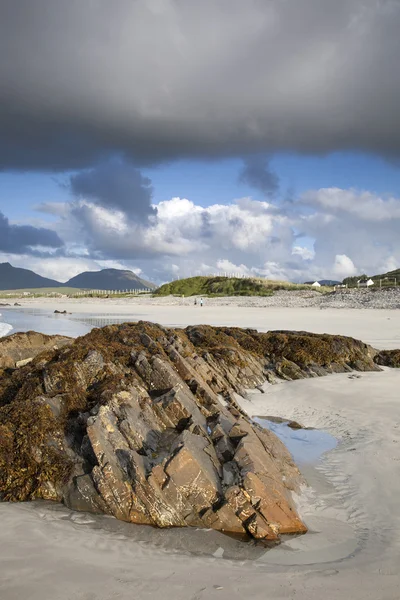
364 282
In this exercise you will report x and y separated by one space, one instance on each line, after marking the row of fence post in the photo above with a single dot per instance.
224 274
133 292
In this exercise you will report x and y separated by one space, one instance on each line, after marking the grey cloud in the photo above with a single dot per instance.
116 185
160 79
206 225
257 173
102 243
360 225
20 239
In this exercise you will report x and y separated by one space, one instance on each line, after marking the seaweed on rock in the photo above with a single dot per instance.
139 421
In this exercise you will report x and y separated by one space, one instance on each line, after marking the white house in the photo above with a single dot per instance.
316 284
365 282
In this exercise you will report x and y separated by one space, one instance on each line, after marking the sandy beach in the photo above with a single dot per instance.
378 327
351 506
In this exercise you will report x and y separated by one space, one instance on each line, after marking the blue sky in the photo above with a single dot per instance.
210 182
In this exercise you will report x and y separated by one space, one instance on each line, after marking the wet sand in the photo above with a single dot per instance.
378 327
351 505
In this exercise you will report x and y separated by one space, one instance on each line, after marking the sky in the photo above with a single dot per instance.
178 138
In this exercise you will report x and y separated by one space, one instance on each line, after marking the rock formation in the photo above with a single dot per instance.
388 358
22 347
140 422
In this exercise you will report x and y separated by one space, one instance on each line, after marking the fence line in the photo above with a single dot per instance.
132 292
224 274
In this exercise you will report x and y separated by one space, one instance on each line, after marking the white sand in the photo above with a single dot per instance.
352 507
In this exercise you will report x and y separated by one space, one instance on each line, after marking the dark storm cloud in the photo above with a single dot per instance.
257 173
161 79
20 239
116 185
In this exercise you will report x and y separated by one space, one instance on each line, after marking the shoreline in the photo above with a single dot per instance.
358 481
386 298
378 327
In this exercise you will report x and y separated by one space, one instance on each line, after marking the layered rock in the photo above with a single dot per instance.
18 349
140 422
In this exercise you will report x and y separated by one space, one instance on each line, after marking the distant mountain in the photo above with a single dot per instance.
109 279
329 282
14 278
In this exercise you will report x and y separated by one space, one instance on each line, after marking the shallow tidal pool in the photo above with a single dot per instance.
305 445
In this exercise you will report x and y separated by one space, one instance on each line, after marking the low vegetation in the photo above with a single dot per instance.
70 292
37 292
389 279
228 286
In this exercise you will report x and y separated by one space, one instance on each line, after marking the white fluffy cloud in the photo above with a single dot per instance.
179 229
354 231
344 266
326 233
180 238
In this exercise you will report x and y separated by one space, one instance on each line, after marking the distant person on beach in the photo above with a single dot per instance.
195 301
201 301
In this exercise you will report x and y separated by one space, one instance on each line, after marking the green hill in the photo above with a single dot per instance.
226 286
388 279
389 275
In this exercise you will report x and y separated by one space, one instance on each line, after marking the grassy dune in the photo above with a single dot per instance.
227 286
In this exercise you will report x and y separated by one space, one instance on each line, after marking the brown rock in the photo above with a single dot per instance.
19 347
260 530
388 358
179 407
251 519
141 422
194 473
224 519
273 505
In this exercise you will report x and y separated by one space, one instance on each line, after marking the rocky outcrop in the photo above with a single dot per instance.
22 347
140 422
388 358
